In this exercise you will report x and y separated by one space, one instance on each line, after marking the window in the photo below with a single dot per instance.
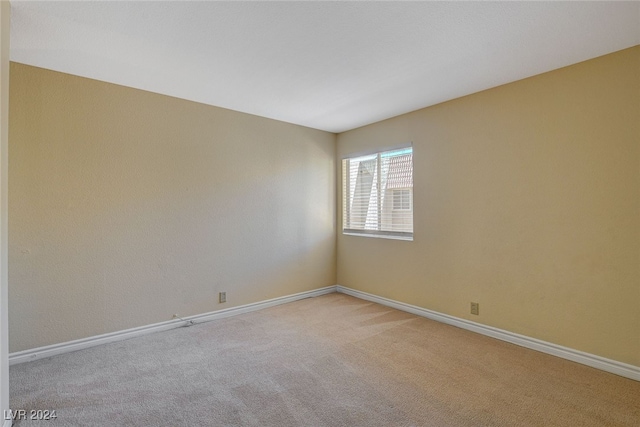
401 200
377 194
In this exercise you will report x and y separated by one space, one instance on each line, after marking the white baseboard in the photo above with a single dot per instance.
608 365
66 347
615 367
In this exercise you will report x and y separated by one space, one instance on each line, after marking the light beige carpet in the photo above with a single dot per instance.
328 361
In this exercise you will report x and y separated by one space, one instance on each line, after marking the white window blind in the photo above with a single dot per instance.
377 194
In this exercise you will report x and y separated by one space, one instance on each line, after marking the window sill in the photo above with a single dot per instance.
379 236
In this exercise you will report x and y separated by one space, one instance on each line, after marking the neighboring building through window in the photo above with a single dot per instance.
401 200
377 194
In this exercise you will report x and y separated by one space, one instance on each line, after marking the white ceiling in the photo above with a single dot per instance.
327 65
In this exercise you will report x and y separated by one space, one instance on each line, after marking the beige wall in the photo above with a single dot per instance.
527 200
128 206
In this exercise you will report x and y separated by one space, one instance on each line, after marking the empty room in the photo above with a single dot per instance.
319 213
